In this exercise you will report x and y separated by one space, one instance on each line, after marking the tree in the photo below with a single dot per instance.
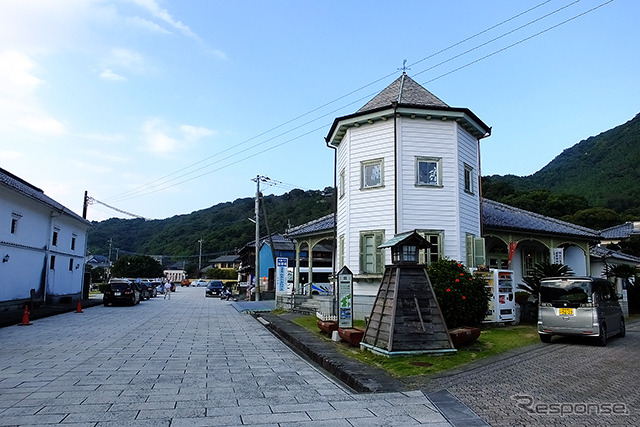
540 271
135 266
463 297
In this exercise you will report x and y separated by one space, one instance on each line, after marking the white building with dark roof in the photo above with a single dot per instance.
42 246
405 161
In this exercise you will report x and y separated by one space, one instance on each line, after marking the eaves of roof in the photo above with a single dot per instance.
22 187
600 252
323 225
465 117
501 217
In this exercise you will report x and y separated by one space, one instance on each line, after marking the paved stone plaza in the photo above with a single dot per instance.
532 386
188 361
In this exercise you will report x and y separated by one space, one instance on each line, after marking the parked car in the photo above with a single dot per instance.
214 288
121 290
579 306
185 282
200 283
149 288
155 284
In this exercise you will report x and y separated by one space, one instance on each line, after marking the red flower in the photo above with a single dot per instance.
448 290
462 274
457 280
459 265
463 297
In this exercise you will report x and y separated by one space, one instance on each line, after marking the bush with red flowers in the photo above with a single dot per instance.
462 296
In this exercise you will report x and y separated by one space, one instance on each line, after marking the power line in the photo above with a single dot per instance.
163 179
135 194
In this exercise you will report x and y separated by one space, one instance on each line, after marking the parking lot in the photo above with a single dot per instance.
188 361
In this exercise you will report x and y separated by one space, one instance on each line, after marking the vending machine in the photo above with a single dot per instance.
502 300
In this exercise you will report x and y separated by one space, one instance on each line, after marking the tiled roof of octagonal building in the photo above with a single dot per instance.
405 97
404 90
499 216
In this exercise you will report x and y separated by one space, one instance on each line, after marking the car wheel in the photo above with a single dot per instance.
133 301
106 304
623 330
545 338
602 339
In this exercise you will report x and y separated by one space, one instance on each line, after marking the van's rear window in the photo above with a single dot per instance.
575 291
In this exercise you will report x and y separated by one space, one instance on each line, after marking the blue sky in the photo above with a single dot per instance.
164 107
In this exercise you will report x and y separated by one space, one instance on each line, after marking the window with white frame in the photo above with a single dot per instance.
15 217
342 185
433 254
468 179
372 174
429 171
54 239
371 258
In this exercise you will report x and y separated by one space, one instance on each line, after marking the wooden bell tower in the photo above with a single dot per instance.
406 318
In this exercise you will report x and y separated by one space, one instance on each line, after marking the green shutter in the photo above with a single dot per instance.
379 239
363 253
470 242
478 251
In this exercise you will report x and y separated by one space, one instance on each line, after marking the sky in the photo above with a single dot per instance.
165 107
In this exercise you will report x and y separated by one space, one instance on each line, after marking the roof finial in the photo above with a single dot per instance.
404 67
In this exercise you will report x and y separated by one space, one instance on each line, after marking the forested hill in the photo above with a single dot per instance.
595 183
222 227
600 173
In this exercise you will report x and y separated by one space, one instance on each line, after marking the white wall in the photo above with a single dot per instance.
30 248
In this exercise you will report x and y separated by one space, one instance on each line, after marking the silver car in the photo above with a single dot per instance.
579 306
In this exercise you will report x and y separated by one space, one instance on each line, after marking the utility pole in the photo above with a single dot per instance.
257 180
200 258
84 204
110 243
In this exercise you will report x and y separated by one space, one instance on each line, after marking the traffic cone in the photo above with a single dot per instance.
25 317
79 308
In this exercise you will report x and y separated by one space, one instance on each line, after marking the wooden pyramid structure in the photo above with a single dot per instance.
406 318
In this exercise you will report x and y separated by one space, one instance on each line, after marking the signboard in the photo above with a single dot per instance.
281 275
345 298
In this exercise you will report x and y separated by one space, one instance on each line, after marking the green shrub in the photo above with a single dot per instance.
102 287
462 296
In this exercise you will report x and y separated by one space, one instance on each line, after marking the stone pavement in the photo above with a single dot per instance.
571 382
188 361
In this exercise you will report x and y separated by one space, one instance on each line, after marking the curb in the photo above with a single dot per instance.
360 377
12 317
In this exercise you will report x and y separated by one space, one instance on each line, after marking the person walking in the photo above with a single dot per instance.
167 289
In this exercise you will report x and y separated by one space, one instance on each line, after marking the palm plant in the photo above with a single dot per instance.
540 271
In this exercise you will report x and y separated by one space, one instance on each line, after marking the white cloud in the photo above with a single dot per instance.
162 139
126 58
10 155
155 136
158 12
16 78
42 124
192 133
107 74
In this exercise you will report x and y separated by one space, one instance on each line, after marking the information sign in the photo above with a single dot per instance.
345 298
281 275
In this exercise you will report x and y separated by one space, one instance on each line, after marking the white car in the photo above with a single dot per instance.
200 283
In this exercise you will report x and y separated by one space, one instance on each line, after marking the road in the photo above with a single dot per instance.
188 361
571 382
